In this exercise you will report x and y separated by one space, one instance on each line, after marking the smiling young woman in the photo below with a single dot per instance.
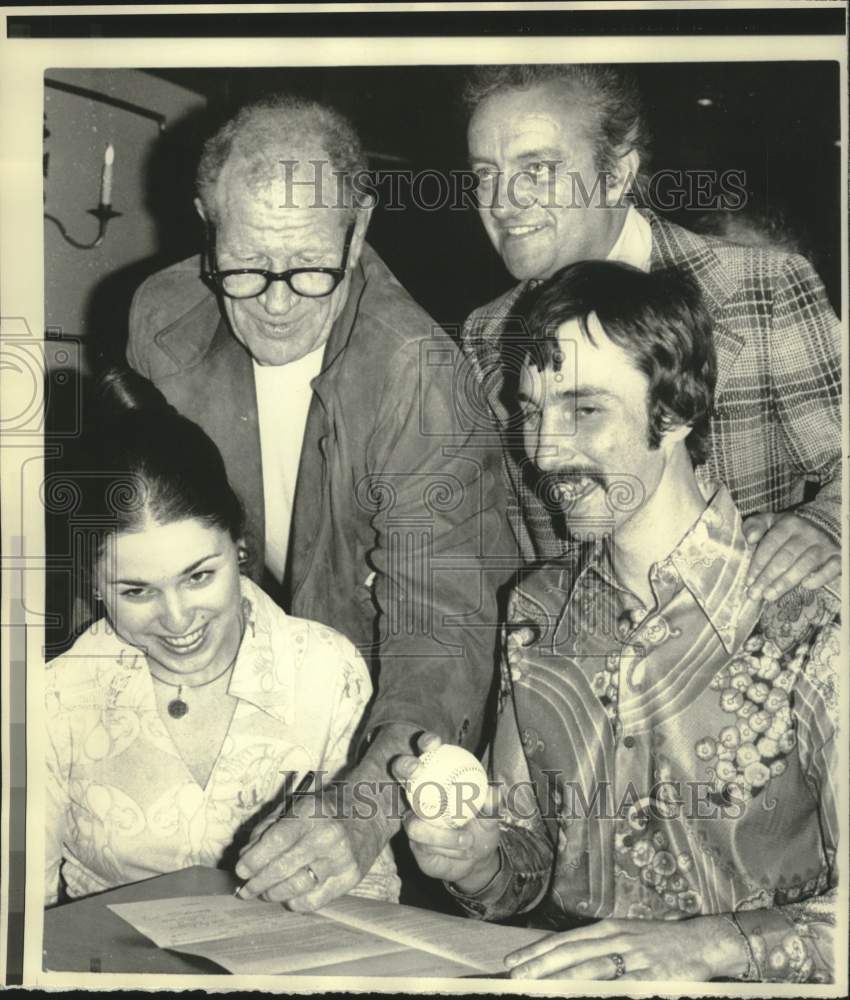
178 720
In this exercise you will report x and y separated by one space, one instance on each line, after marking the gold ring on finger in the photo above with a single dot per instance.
619 964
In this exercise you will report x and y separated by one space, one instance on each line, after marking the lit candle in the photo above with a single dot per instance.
106 176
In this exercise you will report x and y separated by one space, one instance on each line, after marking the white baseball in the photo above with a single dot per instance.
448 787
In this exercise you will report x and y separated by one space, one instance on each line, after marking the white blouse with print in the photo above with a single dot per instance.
122 805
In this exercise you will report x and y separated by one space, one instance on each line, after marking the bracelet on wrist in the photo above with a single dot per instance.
753 972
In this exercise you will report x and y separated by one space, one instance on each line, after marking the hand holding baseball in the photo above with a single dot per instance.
466 854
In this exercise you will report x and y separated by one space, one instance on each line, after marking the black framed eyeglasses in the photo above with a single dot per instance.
249 282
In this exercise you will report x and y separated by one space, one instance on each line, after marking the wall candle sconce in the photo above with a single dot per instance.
104 211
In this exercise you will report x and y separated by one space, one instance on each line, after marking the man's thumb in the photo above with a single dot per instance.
756 526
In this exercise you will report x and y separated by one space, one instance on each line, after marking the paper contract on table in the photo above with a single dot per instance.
263 938
248 937
475 943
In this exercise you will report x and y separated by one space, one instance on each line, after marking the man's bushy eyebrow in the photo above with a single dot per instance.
584 391
579 392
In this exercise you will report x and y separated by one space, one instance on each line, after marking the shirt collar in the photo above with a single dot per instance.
634 244
263 673
711 561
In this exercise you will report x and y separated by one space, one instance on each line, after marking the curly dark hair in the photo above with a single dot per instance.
658 319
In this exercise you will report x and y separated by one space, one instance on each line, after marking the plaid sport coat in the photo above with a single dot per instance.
777 410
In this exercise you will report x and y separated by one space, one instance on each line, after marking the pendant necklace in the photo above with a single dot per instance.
177 707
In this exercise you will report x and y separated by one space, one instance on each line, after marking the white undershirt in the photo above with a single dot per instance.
283 401
634 244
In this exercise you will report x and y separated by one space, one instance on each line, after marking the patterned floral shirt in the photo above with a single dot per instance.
668 762
122 805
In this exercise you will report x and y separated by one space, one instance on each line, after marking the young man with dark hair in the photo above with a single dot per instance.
665 744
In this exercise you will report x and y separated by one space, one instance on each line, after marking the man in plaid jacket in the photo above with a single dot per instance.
557 150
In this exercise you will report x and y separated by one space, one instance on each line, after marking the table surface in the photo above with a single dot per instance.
85 936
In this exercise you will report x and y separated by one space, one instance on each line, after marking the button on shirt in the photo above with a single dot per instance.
283 402
681 757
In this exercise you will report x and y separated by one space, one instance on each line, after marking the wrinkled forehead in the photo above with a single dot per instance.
547 112
272 181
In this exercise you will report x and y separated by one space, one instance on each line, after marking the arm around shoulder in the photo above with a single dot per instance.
805 364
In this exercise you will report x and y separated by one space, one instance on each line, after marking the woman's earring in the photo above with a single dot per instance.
242 555
97 595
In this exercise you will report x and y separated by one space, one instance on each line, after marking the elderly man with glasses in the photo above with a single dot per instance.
330 394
